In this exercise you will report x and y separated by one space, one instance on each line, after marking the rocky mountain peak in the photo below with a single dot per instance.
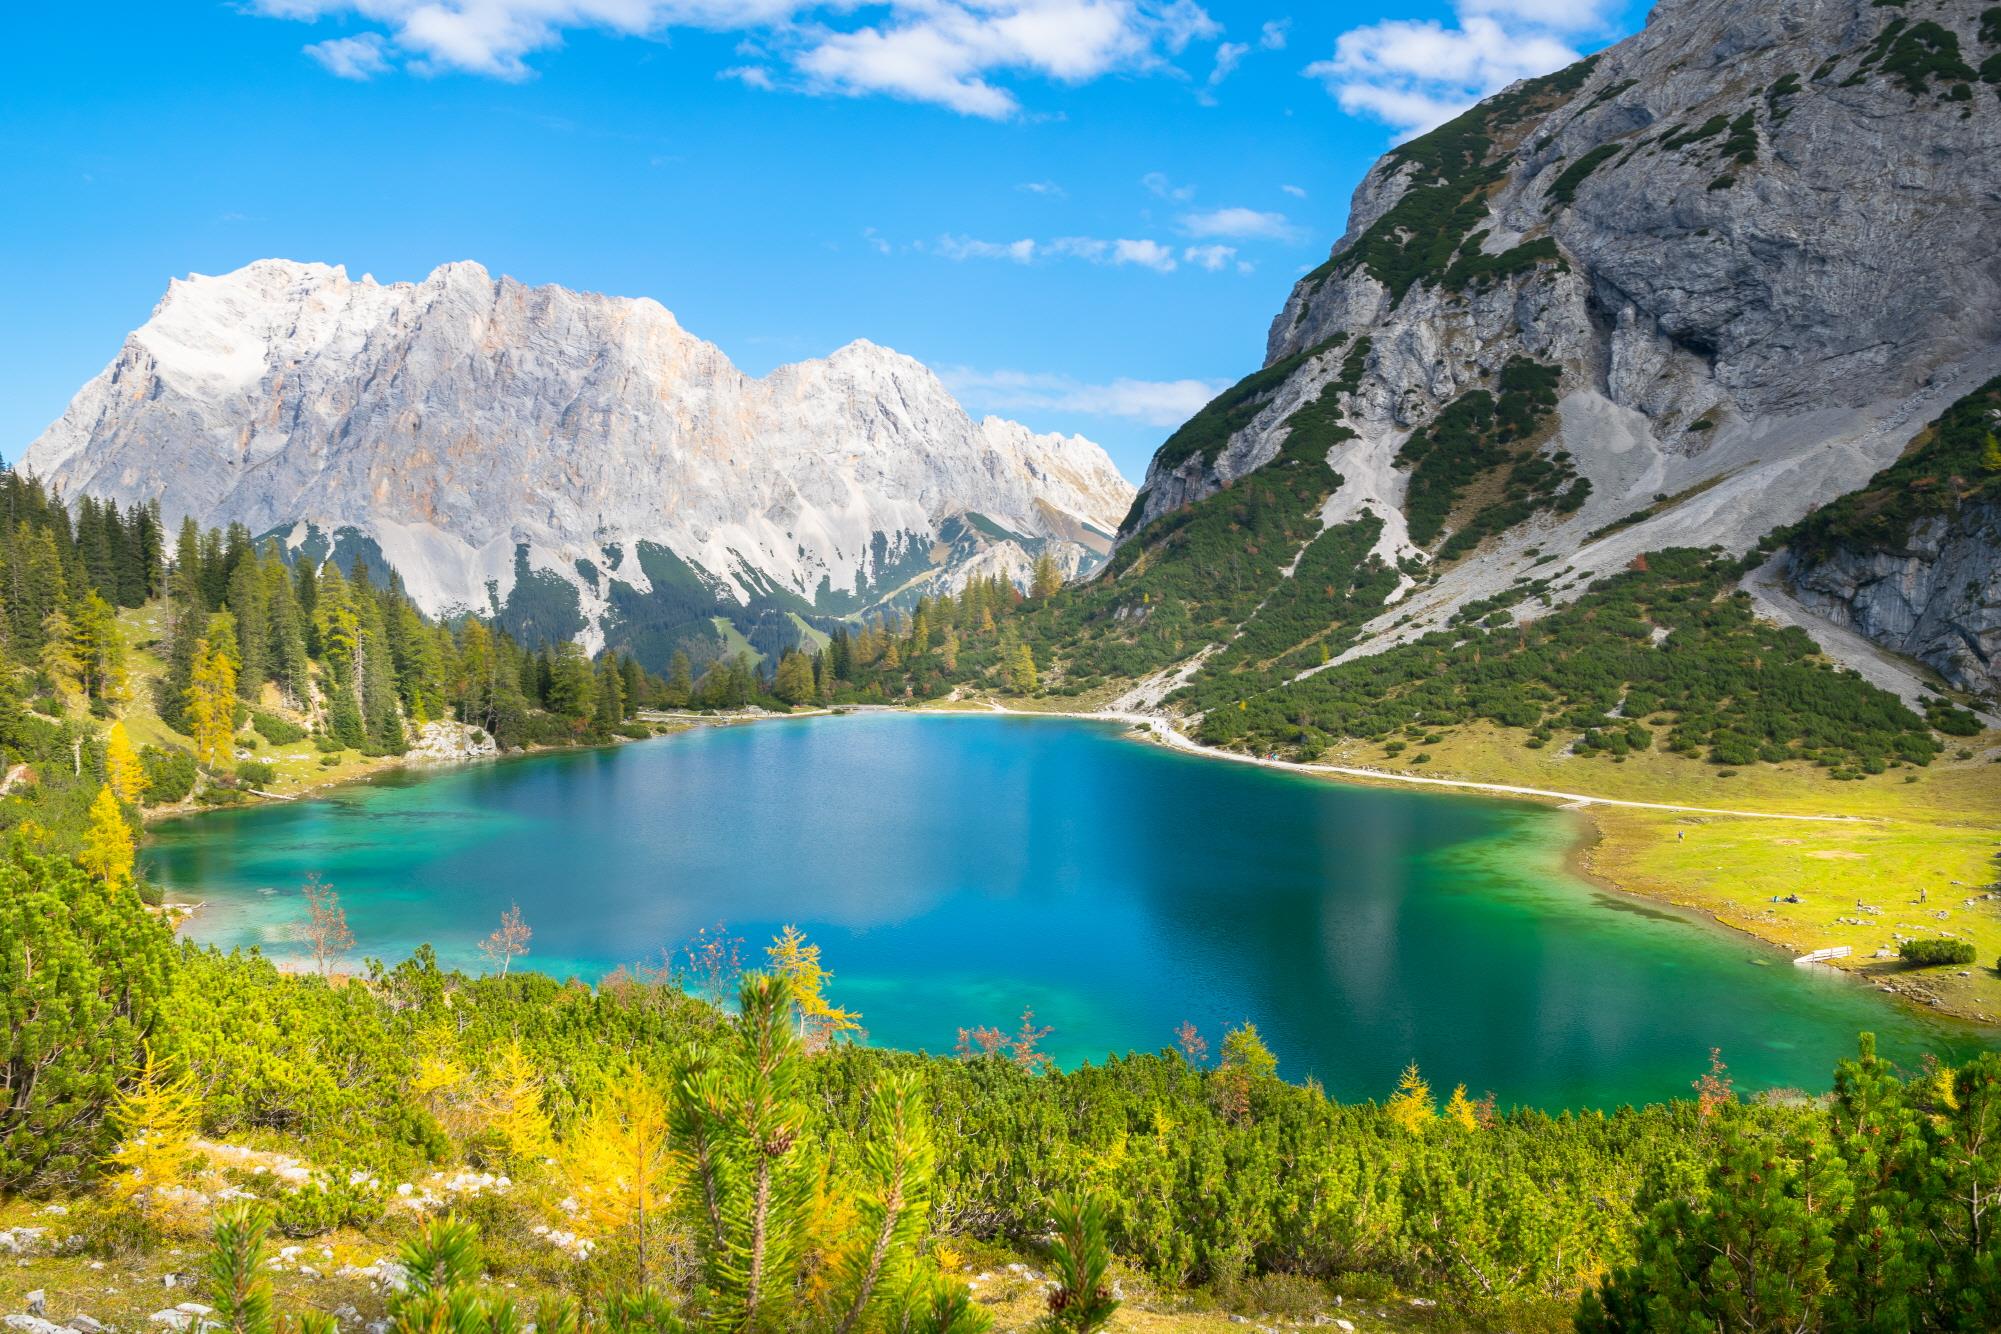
1730 266
493 441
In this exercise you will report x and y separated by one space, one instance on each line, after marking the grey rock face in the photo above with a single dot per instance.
457 419
1778 268
1937 598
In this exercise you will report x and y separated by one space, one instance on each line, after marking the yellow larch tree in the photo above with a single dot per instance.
211 698
59 660
107 851
1411 1106
156 1119
511 1104
621 1166
1461 1111
122 769
797 960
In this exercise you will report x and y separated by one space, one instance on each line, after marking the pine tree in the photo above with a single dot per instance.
1246 1063
572 687
284 631
1047 578
247 603
793 681
85 970
99 649
680 681
236 1281
58 658
610 691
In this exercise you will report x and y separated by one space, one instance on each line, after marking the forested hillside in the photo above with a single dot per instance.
139 673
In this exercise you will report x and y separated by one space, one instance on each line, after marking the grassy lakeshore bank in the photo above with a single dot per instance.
1848 848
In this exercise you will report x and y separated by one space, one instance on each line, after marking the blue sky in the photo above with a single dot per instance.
1083 213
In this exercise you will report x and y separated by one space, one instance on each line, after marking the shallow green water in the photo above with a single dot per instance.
957 869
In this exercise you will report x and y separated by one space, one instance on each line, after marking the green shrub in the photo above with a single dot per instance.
278 731
256 773
170 774
324 1204
1934 951
83 969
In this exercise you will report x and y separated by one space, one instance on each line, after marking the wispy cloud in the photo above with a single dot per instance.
1048 189
359 58
1214 258
1294 191
1144 253
1240 224
1154 402
968 247
1156 183
1229 55
1413 74
960 54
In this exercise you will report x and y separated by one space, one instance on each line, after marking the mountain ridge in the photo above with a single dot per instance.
1749 244
472 431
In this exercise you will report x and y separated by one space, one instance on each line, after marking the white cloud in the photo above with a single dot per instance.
1091 249
876 241
1154 402
751 76
1241 224
1156 183
966 247
358 58
1272 36
1414 74
1050 189
1214 258
1294 191
1229 55
1150 254
952 53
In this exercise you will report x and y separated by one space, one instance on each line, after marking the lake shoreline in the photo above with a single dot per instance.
1579 859
1392 915
1594 838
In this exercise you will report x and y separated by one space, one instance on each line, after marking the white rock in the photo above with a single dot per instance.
32 1324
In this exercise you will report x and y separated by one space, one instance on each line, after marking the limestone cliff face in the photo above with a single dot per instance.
1936 597
480 433
1758 242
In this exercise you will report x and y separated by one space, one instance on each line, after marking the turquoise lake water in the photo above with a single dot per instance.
956 869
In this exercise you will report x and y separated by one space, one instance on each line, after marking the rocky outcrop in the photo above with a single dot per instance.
1755 239
1936 597
449 743
490 439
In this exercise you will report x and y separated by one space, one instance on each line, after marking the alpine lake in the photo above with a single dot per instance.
958 869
